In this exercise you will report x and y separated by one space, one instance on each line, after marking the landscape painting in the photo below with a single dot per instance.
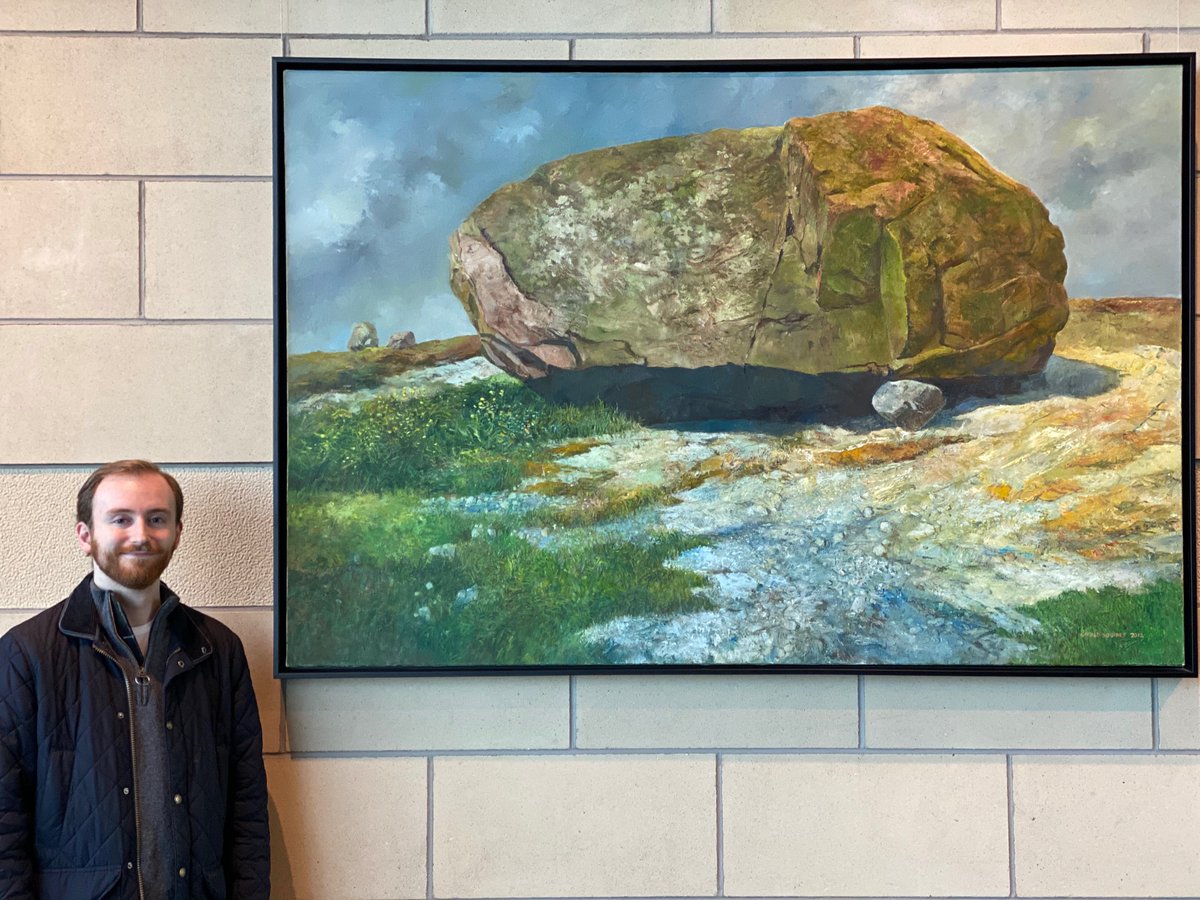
758 366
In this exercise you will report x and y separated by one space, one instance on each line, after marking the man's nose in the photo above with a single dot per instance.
137 531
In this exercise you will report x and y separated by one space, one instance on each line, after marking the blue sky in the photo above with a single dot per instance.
381 167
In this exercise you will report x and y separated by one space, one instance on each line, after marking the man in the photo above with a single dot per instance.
130 745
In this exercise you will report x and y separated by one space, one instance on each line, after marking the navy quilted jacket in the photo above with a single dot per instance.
67 825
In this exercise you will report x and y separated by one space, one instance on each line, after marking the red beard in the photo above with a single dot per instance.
134 572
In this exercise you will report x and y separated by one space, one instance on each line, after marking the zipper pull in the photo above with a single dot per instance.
142 680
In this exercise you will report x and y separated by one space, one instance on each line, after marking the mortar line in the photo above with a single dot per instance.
572 723
428 18
712 16
784 753
68 176
720 787
1155 721
571 49
141 13
862 712
1145 42
999 18
135 321
141 214
1012 818
429 828
857 51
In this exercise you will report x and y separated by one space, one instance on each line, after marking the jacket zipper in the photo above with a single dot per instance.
137 805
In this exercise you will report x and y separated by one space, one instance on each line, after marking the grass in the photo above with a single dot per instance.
365 590
477 438
1108 627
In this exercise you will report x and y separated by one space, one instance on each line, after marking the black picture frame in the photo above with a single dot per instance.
371 156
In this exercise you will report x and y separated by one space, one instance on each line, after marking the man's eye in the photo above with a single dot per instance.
121 520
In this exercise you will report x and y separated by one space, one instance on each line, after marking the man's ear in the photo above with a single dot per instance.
84 535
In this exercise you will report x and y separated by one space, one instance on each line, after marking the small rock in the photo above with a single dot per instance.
885 527
465 597
362 336
909 404
867 512
446 551
402 340
422 613
429 585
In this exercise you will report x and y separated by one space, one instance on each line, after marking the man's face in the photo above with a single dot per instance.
134 530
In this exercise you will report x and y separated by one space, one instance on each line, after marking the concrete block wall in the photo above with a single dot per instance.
135 319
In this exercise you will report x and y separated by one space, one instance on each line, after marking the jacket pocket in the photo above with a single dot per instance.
214 883
78 884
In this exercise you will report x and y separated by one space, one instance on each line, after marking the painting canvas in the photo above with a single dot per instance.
772 366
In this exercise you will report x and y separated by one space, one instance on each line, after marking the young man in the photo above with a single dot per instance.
130 745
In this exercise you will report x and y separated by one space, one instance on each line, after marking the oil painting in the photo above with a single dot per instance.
760 366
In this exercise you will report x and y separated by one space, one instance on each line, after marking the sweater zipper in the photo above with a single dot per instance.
133 754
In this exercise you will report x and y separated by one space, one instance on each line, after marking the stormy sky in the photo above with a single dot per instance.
381 167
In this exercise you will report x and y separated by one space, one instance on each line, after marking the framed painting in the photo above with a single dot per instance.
771 366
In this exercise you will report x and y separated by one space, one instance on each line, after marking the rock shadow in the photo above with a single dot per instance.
1061 377
719 397
713 393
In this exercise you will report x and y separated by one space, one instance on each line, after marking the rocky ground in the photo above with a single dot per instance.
869 544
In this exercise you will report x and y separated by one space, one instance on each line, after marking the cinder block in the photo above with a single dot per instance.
428 714
854 15
1104 14
1006 713
345 829
68 15
710 48
225 557
876 826
144 106
584 826
82 393
999 44
292 17
568 16
256 628
716 711
1179 713
437 49
209 250
1175 42
1106 826
68 249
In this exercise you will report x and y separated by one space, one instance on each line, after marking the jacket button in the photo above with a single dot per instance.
182 872
129 865
180 663
125 791
178 799
203 649
170 726
120 715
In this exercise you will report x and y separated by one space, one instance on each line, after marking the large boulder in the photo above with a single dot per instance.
868 241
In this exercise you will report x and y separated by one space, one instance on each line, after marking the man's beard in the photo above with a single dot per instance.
135 573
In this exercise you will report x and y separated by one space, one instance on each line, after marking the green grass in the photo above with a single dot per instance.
1108 627
364 590
476 438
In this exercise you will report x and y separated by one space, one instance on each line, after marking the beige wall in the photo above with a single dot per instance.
135 319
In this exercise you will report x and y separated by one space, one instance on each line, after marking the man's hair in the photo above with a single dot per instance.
83 502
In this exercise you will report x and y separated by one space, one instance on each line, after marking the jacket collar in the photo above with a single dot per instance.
81 619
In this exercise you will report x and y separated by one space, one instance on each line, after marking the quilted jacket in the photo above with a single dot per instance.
68 824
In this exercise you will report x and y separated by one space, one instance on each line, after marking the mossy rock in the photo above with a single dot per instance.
865 241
